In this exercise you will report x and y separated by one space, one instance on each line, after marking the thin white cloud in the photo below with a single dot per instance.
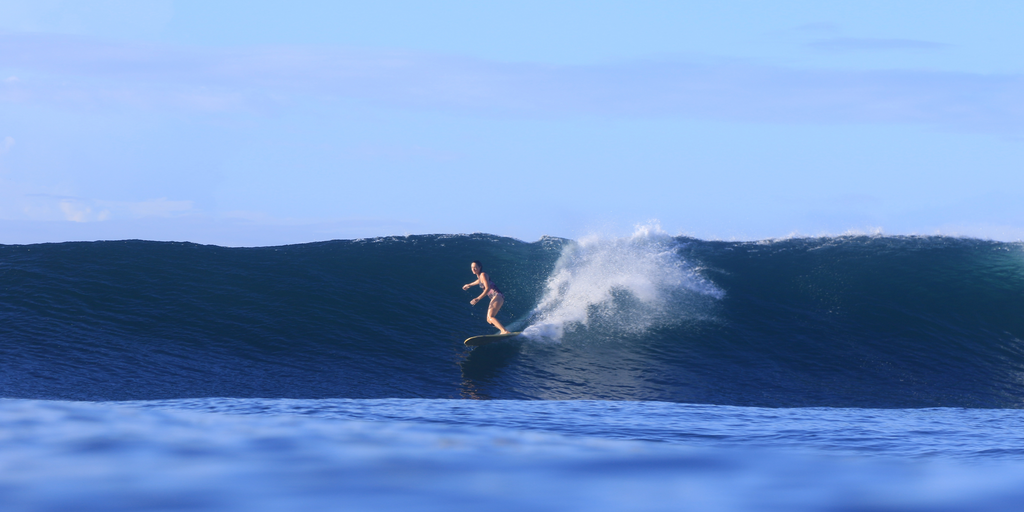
74 71
6 144
76 211
17 204
848 44
155 207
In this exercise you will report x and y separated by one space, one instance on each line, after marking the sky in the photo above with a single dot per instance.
252 123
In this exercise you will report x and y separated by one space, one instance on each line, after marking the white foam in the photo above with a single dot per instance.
627 284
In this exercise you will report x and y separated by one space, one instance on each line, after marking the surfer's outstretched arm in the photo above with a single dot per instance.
487 288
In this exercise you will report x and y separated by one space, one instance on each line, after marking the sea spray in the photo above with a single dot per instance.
621 286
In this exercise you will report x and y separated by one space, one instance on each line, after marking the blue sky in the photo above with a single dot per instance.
258 123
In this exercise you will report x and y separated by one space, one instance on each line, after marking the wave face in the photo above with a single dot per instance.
880 322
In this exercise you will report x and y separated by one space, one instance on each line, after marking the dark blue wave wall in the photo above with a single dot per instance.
841 322
865 322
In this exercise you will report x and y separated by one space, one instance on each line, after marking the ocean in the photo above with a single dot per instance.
654 373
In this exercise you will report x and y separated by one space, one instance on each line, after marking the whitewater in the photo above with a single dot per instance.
655 373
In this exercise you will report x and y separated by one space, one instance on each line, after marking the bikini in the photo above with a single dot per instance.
494 292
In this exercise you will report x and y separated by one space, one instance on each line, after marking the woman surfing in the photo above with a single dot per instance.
497 299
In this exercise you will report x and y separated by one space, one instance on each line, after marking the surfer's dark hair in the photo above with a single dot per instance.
481 265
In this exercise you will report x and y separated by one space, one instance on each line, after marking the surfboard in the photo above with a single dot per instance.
476 341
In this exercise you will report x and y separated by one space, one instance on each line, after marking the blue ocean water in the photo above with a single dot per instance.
655 373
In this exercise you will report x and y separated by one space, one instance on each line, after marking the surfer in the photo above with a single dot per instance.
497 299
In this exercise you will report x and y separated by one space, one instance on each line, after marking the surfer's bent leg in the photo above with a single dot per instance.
492 312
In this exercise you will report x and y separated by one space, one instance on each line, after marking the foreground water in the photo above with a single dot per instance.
251 454
658 373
